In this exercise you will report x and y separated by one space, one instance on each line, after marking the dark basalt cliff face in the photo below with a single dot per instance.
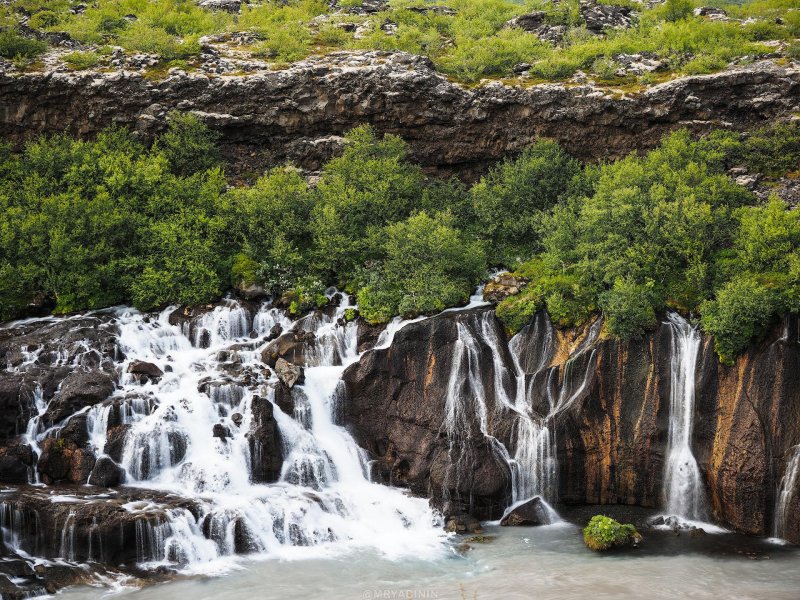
608 403
299 113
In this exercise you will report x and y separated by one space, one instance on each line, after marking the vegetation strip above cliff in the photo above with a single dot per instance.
615 40
93 224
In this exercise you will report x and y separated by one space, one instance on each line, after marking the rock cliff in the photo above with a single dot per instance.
608 406
299 113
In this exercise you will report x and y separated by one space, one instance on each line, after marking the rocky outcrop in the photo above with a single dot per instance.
299 113
607 403
501 286
397 405
265 443
529 513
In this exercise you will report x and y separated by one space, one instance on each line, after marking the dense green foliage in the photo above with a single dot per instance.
671 230
604 533
92 224
469 43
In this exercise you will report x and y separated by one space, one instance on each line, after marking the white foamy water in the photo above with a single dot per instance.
323 502
545 563
684 491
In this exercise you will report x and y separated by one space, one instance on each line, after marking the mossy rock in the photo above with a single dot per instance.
603 533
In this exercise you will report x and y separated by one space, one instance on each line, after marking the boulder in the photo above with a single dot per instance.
231 6
599 17
145 371
290 346
462 523
106 473
529 21
711 12
115 441
284 399
15 462
220 431
64 461
79 390
502 286
265 443
531 512
288 373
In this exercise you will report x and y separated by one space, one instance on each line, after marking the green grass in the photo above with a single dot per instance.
468 46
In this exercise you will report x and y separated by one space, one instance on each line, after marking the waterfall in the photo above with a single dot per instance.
683 485
193 432
786 493
533 466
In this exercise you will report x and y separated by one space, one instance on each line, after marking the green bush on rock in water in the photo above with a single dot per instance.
603 533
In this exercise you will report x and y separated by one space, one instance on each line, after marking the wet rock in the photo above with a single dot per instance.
145 371
64 461
115 441
288 373
284 399
220 431
265 443
16 459
290 346
78 391
106 473
394 403
100 529
275 332
237 419
530 513
502 286
367 335
463 523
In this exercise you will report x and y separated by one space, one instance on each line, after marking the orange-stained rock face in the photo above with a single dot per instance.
612 434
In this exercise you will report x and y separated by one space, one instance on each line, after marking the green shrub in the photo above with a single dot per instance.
43 19
705 63
188 145
80 61
741 312
508 201
604 533
428 266
13 45
628 308
517 311
773 151
676 10
605 68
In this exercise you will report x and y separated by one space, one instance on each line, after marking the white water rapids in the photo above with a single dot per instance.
323 499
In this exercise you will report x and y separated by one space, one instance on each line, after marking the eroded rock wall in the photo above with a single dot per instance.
299 113
608 403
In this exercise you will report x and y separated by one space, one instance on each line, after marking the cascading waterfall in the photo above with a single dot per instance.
533 466
684 492
193 432
786 493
